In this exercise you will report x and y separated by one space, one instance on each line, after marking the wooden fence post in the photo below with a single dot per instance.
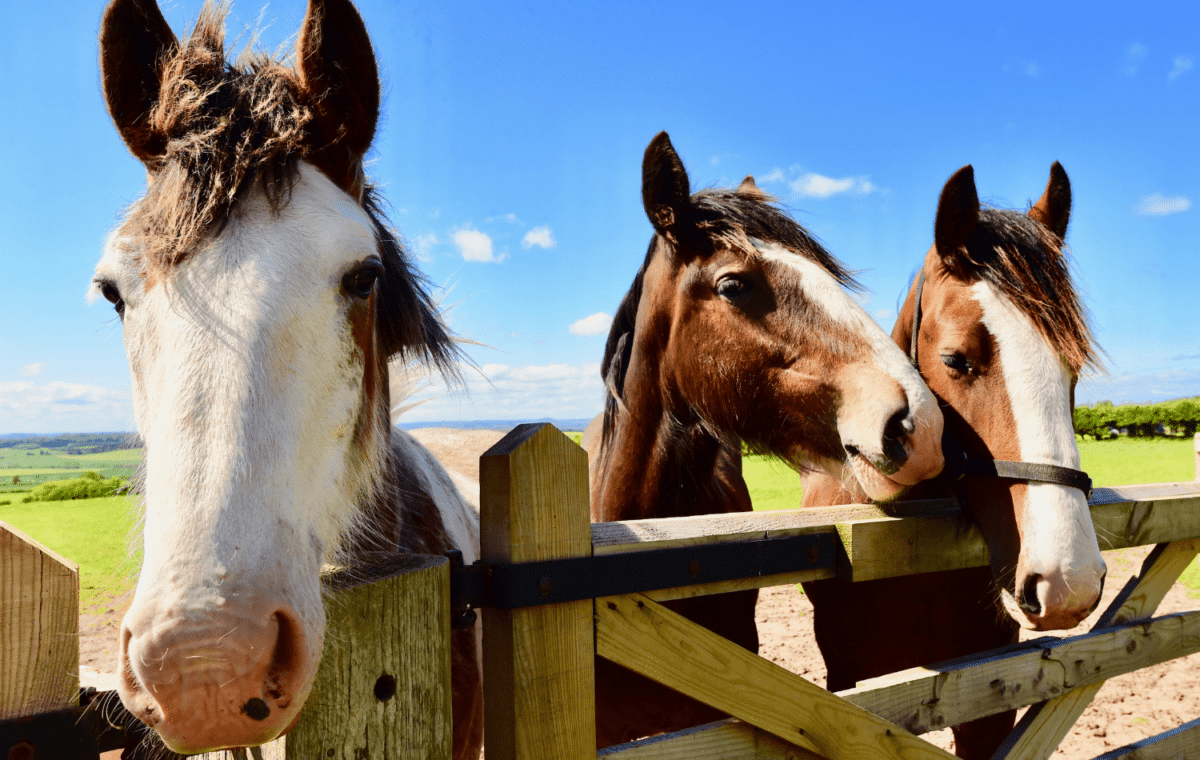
382 690
539 679
1196 449
39 627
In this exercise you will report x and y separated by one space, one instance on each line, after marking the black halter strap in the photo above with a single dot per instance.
959 465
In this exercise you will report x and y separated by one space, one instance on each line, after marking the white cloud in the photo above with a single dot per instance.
31 370
884 315
510 218
1134 55
423 246
475 245
1183 64
562 391
715 160
813 185
1157 204
27 407
776 175
539 236
594 325
1032 70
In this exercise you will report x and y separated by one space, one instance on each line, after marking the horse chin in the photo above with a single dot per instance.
872 483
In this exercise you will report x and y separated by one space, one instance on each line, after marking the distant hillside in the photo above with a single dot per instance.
72 443
563 425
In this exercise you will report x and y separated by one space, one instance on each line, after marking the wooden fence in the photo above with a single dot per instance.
382 690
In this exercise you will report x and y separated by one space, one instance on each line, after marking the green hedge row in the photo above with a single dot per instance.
1180 417
90 485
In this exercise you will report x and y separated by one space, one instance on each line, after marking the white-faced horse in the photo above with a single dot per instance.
998 332
262 295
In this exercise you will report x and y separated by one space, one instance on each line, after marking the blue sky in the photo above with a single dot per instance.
510 152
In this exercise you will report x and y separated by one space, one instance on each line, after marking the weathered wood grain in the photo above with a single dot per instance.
729 739
927 699
1042 728
382 690
539 678
642 635
39 627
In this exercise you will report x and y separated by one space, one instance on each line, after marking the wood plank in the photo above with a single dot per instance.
382 689
888 547
39 627
728 739
1042 728
667 532
539 679
947 694
740 584
909 538
642 635
1178 743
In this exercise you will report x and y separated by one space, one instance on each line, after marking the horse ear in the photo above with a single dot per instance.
957 214
135 39
750 187
338 73
666 191
1053 209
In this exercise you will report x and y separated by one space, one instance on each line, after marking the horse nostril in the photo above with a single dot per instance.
897 428
851 450
1028 602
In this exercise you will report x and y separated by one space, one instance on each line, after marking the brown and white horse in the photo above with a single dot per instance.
738 328
1001 340
262 294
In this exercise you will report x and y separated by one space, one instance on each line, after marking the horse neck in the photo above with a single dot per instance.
655 466
400 511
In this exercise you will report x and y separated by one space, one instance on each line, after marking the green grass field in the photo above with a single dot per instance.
93 532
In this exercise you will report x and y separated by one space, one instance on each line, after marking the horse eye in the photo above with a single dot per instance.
113 296
361 281
730 287
957 362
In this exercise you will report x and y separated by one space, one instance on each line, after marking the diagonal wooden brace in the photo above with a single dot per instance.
642 635
1043 727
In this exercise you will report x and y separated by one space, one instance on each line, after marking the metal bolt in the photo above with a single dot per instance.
694 568
814 553
545 585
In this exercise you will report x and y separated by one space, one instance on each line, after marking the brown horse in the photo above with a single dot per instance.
1000 338
262 294
738 328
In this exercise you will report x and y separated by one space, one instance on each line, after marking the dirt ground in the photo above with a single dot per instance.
1128 708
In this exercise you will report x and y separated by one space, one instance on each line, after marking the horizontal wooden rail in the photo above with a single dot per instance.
938 696
906 538
720 740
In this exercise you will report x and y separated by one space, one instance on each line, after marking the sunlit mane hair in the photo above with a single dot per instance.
717 216
1027 263
229 126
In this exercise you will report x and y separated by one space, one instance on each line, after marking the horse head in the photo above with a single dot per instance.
1002 338
261 295
739 325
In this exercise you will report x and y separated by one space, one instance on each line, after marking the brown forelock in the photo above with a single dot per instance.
1028 264
715 218
226 126
230 125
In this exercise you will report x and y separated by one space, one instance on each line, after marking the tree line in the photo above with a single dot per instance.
1180 417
